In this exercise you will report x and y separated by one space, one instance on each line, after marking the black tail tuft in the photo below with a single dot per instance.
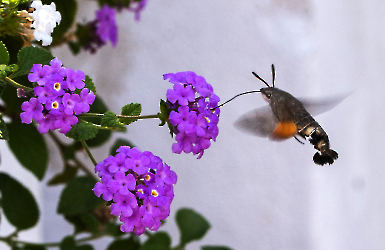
326 157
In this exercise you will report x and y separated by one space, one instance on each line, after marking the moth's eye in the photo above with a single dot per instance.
268 96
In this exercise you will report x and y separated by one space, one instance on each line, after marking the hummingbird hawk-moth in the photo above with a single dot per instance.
286 117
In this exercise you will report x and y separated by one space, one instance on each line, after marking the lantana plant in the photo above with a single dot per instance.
129 191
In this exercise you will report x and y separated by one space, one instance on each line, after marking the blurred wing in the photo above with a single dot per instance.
317 107
259 122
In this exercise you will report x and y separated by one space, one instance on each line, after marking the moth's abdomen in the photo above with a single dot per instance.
317 136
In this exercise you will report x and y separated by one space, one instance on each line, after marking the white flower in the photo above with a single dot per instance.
45 19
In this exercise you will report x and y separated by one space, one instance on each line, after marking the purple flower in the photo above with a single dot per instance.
106 25
193 112
69 102
140 186
75 79
33 110
138 8
40 74
56 101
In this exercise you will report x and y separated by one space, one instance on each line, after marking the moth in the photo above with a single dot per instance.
286 117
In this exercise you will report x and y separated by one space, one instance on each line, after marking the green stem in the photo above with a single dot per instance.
15 84
121 116
62 148
89 152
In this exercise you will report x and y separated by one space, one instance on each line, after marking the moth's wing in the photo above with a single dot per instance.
259 122
319 106
262 122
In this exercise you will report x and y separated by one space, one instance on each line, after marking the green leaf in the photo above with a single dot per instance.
113 229
18 204
85 247
90 222
83 131
4 56
77 197
4 134
118 143
68 173
110 120
157 241
89 84
192 226
132 109
74 47
68 243
164 116
29 147
28 56
124 244
98 107
215 248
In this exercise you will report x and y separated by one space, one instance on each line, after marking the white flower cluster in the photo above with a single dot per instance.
45 19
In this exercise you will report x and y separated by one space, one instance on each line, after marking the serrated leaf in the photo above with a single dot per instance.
215 248
18 204
29 147
110 120
68 173
132 109
4 55
82 131
89 84
28 56
192 226
77 197
4 134
124 244
157 241
118 143
68 243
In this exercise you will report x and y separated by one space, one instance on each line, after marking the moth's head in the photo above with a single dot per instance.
268 93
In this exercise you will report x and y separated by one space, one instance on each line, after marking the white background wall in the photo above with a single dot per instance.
256 194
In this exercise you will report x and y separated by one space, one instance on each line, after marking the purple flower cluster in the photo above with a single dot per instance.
102 29
55 102
106 25
140 186
193 116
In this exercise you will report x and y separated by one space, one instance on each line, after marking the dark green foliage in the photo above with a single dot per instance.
29 147
78 197
192 226
157 241
18 204
28 56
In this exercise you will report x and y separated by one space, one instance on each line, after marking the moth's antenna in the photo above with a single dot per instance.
273 73
260 78
244 93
